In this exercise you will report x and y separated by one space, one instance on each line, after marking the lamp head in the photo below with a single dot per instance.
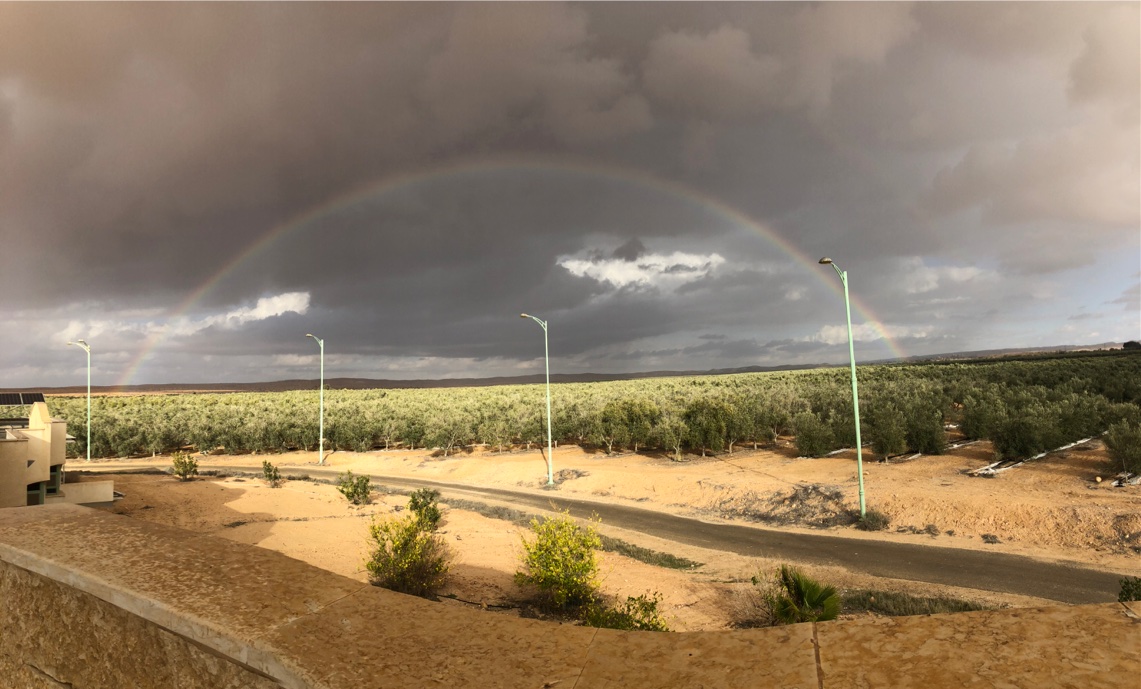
310 335
523 315
825 261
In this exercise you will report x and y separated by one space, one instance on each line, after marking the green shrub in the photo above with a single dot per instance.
799 598
925 431
422 503
561 563
873 520
813 437
637 613
1130 589
270 473
889 435
355 488
184 466
406 557
1124 443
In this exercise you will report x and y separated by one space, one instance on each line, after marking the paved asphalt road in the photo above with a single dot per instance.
938 565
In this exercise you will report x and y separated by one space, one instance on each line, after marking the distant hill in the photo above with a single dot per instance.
376 383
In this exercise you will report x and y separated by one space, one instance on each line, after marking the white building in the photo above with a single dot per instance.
32 462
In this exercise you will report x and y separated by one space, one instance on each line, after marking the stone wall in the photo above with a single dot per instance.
56 636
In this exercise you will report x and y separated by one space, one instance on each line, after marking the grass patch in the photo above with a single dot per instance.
650 557
507 514
900 604
610 545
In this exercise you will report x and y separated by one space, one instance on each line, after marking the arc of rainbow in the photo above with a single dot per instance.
392 183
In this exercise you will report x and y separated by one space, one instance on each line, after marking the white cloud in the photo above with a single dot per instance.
918 277
128 322
865 332
662 271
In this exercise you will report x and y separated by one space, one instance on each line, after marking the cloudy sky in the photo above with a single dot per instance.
192 188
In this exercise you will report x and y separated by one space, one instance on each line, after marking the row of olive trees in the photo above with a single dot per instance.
1024 407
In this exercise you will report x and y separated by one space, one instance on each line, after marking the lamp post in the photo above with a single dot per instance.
547 357
87 348
321 422
855 395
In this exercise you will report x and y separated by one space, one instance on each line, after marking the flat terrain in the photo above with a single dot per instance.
1053 510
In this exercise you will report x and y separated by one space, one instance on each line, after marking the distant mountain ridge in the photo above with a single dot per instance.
379 383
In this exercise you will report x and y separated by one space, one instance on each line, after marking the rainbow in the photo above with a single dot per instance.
594 170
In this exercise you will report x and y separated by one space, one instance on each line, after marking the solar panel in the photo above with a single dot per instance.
32 397
10 398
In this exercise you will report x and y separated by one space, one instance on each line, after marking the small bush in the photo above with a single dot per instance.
406 557
813 437
873 520
270 473
355 488
637 613
1123 440
1130 589
422 503
561 563
184 466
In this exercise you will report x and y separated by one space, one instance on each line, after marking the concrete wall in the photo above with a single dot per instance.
93 600
13 466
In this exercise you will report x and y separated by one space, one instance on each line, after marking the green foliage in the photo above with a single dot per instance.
270 473
183 466
925 429
406 557
799 598
895 604
422 503
813 436
561 563
636 613
1123 440
1065 398
612 427
888 431
1130 589
355 488
873 520
707 419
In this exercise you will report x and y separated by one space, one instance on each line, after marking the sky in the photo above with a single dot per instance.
191 188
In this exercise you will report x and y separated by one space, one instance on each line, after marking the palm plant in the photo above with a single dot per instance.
800 598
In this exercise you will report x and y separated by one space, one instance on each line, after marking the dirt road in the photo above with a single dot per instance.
999 572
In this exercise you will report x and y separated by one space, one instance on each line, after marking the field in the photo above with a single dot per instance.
1024 407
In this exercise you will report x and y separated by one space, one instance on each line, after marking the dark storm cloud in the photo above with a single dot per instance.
630 251
950 155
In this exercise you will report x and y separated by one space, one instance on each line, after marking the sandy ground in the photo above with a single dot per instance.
1053 508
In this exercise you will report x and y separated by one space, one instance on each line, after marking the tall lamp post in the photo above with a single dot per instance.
855 395
547 357
87 348
321 422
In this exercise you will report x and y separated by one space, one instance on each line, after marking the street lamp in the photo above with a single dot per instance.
321 426
547 356
87 348
855 395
